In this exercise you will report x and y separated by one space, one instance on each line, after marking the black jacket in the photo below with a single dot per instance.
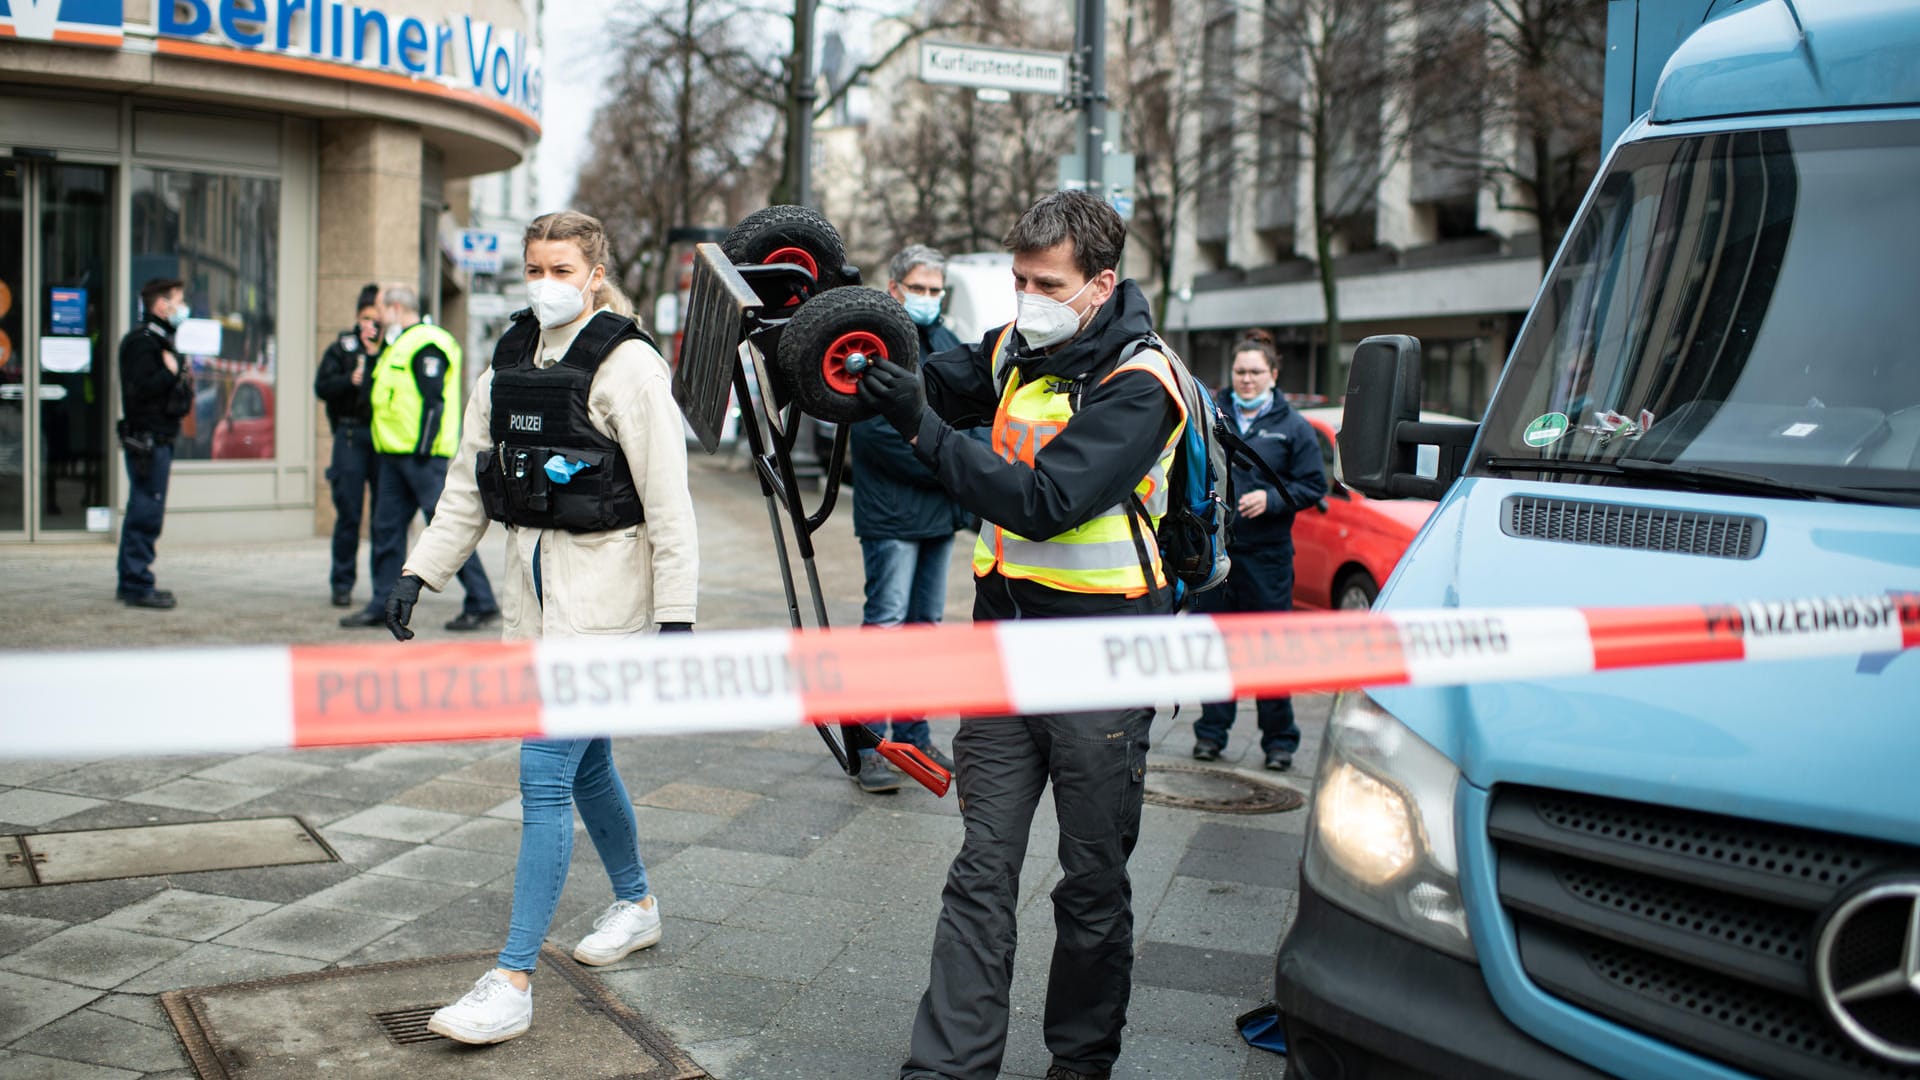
1285 441
145 382
895 495
1112 441
333 382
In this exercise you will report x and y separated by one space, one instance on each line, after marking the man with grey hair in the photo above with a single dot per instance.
1085 415
416 428
903 517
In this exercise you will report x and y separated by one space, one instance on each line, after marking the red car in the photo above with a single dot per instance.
1341 557
246 431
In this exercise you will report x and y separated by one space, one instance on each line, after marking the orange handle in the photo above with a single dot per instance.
909 759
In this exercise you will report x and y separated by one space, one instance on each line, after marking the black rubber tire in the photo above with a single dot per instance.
1354 587
822 324
767 230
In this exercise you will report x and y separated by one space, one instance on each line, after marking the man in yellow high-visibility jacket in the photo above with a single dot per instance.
416 428
1084 424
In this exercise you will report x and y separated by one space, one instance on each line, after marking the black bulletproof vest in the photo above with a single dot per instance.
540 418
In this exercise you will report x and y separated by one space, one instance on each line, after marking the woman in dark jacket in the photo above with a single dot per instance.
1262 543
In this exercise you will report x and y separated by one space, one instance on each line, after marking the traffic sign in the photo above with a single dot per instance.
1015 70
480 251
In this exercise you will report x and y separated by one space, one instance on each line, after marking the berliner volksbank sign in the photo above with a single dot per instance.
460 53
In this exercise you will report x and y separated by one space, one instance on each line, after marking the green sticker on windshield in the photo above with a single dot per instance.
1545 429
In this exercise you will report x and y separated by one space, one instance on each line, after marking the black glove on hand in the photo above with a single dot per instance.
895 393
406 592
676 628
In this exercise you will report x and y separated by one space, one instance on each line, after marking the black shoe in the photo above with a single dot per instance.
876 776
1279 761
1206 750
343 598
363 617
469 620
935 755
158 600
1061 1072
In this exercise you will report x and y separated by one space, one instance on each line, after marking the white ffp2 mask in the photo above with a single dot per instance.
1045 322
555 303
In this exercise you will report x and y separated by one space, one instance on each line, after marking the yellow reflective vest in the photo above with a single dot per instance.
1098 556
397 406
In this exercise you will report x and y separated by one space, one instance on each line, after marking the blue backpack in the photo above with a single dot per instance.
1194 532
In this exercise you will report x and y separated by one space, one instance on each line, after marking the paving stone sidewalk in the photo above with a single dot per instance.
799 911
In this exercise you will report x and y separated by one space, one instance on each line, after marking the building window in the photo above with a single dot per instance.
221 235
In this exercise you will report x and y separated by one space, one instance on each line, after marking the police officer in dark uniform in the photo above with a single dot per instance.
156 390
344 383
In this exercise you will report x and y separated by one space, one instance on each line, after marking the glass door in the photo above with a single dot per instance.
75 250
13 323
56 230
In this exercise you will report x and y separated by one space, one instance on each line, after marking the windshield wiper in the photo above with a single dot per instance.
1557 465
1698 478
1729 480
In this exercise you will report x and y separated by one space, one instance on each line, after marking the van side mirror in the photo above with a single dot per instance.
1381 432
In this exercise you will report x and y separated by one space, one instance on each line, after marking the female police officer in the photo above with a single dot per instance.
573 440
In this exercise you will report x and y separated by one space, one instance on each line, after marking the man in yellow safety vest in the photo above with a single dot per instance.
1084 422
416 428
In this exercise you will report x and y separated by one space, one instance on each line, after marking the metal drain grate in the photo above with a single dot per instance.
1221 791
404 1027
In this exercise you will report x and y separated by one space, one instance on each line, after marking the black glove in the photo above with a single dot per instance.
895 393
676 628
406 592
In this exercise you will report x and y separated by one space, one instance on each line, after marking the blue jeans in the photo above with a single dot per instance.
1261 580
555 776
408 485
350 477
906 583
140 527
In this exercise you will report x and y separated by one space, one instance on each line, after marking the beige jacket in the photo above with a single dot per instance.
619 582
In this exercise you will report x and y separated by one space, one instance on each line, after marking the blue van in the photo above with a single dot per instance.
1704 871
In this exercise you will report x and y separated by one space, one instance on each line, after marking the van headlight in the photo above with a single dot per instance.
1381 842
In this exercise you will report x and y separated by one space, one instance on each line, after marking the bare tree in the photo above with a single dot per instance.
1155 71
1549 68
943 166
676 142
1328 80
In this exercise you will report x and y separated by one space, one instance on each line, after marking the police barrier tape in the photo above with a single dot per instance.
120 702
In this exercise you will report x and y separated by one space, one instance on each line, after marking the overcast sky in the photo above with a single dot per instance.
575 63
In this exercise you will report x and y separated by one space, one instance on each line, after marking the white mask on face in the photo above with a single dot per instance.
555 303
1045 322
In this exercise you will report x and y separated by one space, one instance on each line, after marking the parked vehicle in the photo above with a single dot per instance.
1342 552
980 293
246 430
1703 871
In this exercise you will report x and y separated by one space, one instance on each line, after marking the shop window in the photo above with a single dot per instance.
221 235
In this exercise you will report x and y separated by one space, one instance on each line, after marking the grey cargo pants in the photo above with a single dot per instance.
1096 762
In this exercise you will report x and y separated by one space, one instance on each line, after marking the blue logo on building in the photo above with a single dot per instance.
71 22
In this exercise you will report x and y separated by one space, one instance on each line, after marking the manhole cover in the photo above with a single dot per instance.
1222 791
60 858
369 1023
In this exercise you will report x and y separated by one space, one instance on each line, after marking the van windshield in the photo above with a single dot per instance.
1733 311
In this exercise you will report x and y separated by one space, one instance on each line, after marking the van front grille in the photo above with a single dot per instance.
1636 528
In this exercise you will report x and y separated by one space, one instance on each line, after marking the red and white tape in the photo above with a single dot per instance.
179 701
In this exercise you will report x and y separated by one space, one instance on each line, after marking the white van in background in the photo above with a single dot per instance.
979 293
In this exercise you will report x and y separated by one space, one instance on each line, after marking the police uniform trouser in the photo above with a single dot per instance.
1261 580
1096 762
350 476
407 485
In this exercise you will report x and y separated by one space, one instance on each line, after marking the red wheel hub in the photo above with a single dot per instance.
796 256
833 364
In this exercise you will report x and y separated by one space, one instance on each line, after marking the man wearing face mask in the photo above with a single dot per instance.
344 383
1084 417
156 390
903 517
416 428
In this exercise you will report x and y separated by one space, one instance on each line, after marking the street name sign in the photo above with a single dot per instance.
1014 70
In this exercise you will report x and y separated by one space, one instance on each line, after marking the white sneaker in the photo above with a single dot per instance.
623 928
493 1011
